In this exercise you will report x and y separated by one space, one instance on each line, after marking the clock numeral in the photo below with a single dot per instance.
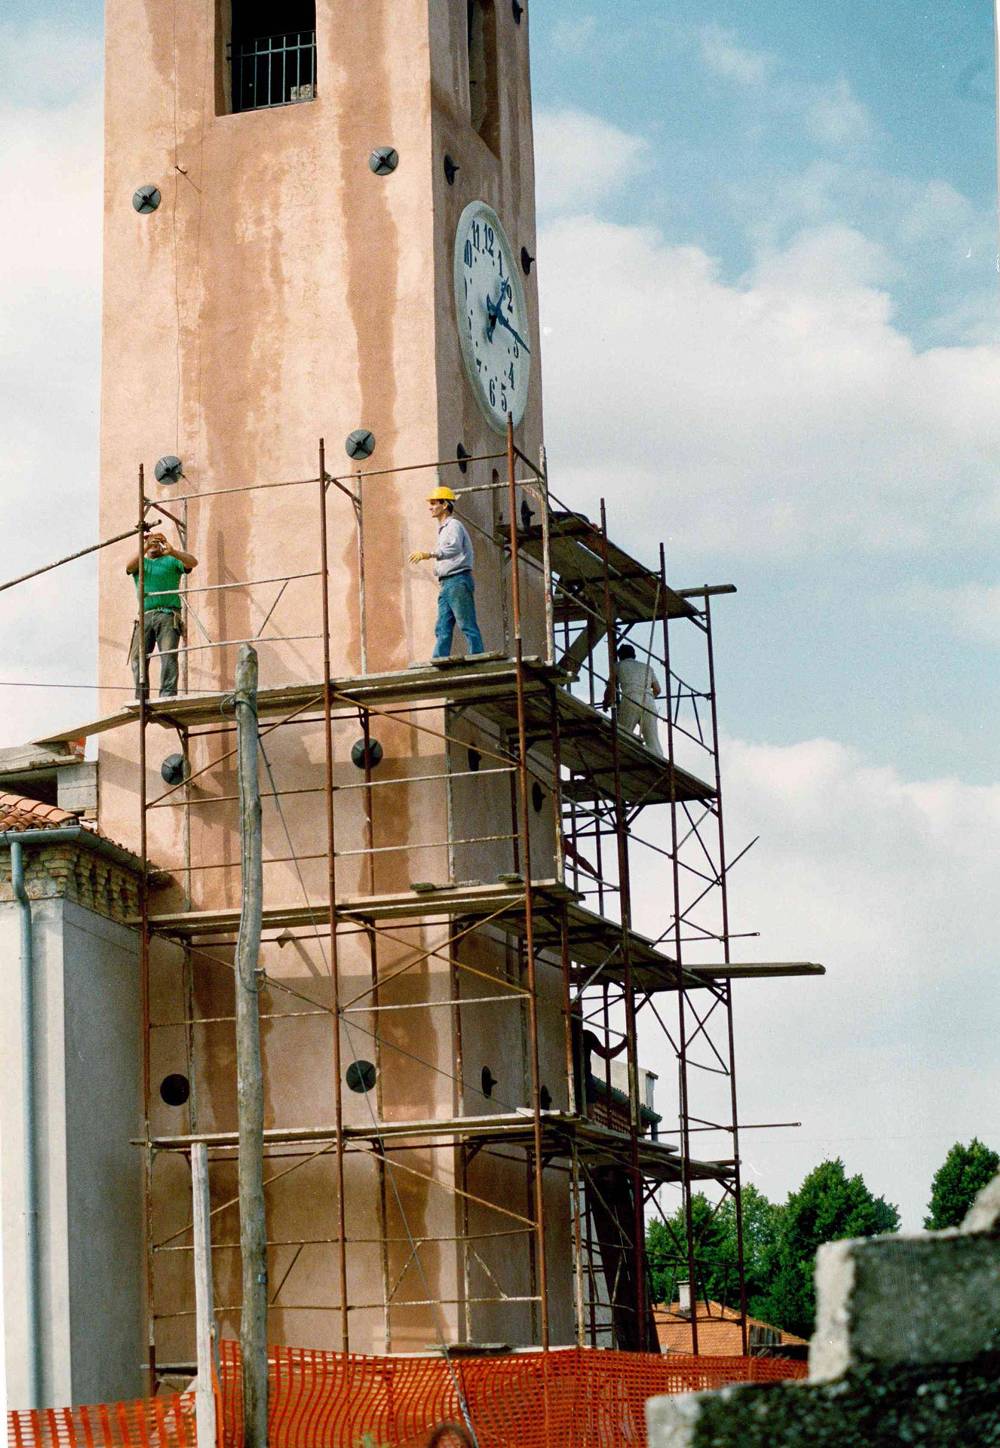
487 308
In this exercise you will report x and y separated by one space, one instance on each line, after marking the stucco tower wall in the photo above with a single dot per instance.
282 292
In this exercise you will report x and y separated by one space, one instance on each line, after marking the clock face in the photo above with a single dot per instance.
492 316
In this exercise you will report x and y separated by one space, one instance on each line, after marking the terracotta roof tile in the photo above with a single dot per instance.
718 1330
18 813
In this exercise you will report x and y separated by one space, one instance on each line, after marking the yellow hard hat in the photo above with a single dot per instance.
442 495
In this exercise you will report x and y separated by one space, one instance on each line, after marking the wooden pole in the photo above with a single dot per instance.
249 1080
204 1307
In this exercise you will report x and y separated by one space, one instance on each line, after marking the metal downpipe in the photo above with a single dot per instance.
32 1288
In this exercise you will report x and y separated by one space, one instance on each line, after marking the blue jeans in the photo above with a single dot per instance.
457 604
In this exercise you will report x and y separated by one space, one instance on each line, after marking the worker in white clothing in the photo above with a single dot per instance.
638 690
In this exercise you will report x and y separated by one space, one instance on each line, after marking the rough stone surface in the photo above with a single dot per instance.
984 1215
906 1350
910 1300
952 1406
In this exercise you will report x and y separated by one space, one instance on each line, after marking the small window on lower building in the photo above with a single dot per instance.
271 49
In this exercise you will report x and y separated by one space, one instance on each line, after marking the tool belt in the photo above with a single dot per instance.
178 620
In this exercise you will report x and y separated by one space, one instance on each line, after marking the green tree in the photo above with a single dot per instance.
716 1258
828 1205
666 1248
761 1229
960 1177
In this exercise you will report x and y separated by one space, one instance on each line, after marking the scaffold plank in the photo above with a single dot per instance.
490 688
596 944
441 900
575 547
756 969
562 1134
586 749
463 681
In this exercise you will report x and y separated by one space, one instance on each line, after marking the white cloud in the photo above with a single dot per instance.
57 65
943 246
786 413
574 32
831 113
889 882
968 610
917 214
580 159
837 118
50 177
722 53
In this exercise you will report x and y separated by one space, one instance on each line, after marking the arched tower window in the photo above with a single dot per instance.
271 50
484 107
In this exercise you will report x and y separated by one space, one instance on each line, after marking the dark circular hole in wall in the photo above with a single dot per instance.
360 1076
175 1089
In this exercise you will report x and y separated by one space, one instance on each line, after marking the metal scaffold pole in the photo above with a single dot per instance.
585 972
331 882
525 852
724 888
249 1077
682 1057
139 643
625 908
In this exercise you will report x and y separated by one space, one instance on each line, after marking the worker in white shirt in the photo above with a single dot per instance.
638 690
453 559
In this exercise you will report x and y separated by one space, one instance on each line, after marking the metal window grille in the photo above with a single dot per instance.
274 70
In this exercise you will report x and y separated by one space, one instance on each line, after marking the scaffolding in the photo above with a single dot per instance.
587 807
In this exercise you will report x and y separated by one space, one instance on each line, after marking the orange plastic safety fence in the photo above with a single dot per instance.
166 1422
573 1398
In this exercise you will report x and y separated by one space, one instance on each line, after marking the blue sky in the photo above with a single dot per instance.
783 217
718 93
923 73
784 220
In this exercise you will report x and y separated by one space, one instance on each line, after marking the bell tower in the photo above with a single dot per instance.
284 186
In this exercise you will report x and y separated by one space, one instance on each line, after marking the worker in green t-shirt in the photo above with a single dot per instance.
161 625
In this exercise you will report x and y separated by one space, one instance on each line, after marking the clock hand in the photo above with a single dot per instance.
495 313
516 335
